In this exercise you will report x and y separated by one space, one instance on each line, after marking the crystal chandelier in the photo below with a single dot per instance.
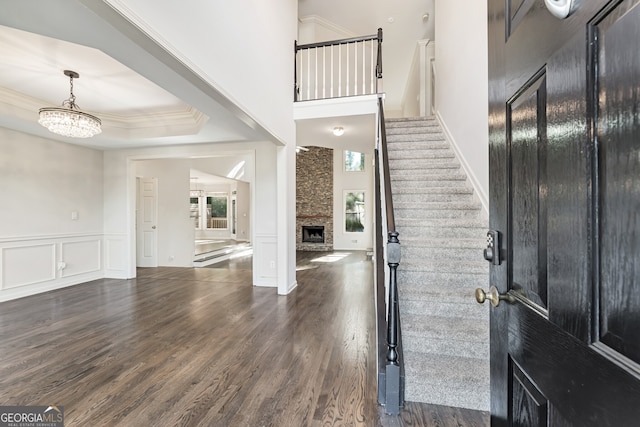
68 120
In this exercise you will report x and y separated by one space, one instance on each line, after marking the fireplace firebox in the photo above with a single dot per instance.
312 234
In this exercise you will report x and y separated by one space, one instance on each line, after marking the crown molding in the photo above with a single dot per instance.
322 22
156 124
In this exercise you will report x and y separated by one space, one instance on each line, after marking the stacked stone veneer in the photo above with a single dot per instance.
314 195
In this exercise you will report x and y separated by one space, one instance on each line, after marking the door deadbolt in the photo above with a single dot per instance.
492 251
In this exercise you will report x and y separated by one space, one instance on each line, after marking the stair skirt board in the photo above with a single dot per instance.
445 333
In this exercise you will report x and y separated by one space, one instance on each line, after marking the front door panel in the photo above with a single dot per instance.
564 122
526 124
617 37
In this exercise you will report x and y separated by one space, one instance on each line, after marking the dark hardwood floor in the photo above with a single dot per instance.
202 347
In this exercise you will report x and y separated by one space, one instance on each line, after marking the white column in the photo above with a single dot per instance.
286 209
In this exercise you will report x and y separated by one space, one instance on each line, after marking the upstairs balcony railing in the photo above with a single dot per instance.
338 68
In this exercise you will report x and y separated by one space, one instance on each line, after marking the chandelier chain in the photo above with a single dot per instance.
71 102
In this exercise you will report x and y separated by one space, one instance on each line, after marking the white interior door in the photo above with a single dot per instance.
147 218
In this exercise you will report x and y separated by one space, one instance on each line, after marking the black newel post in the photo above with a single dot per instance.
393 368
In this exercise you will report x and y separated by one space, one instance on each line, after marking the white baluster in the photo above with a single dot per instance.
348 61
332 71
324 72
339 70
308 74
355 68
316 74
364 80
373 68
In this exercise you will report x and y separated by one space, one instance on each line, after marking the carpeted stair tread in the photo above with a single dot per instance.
428 334
402 189
432 198
446 346
478 223
444 327
408 130
410 121
438 214
450 310
416 281
415 138
427 257
447 380
415 242
428 206
422 154
397 144
427 231
442 266
410 175
434 180
451 293
425 164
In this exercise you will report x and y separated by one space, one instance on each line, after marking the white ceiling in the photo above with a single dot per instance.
136 112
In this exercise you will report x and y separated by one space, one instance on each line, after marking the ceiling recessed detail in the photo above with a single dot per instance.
129 105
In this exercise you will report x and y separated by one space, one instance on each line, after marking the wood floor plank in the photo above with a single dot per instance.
202 347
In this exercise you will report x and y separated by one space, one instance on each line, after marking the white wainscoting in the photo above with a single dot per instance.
28 264
80 257
35 264
265 260
116 256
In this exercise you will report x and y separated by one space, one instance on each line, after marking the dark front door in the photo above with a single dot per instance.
564 122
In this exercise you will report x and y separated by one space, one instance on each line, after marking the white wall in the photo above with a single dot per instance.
42 182
236 45
462 84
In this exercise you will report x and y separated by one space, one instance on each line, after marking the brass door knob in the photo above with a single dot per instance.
493 295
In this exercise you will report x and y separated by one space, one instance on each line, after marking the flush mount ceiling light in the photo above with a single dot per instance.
68 120
338 131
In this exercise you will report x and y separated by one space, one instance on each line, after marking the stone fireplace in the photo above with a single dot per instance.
314 199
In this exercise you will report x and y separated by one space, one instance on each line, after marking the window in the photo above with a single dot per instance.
354 211
210 211
353 161
217 211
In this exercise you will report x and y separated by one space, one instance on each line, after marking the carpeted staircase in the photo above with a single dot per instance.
442 230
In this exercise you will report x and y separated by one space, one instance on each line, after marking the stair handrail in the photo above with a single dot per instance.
376 71
390 359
